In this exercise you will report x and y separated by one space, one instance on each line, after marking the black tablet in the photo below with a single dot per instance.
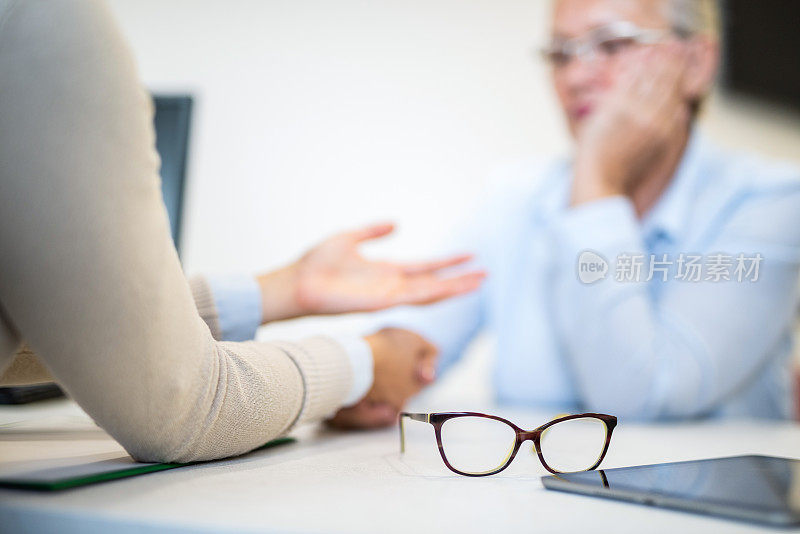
764 489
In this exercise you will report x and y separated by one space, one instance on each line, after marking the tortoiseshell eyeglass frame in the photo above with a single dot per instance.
438 419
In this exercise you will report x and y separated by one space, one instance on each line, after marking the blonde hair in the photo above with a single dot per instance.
693 17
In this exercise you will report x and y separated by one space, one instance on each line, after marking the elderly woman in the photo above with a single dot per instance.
651 274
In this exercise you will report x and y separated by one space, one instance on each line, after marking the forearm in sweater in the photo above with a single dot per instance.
26 368
93 283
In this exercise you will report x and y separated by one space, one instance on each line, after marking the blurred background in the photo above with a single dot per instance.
314 116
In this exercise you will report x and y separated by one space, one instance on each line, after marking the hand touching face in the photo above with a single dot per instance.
629 95
583 83
636 122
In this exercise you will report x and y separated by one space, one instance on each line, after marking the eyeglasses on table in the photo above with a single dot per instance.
476 444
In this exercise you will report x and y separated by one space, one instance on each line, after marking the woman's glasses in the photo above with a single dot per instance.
476 444
603 43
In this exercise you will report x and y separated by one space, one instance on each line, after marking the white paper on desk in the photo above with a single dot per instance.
55 423
419 465
57 469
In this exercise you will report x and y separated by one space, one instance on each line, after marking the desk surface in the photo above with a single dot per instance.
358 482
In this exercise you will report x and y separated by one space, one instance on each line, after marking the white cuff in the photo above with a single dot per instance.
360 355
238 302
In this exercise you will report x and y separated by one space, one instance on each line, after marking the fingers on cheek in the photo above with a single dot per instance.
657 67
680 118
653 126
639 60
626 75
677 51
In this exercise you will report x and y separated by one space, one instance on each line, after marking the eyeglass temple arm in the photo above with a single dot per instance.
424 417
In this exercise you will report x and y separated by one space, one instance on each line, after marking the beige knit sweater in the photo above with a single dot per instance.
89 278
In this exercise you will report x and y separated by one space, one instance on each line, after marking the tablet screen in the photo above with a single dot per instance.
756 487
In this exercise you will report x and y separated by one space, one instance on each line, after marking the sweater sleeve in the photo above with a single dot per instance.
206 307
26 368
89 276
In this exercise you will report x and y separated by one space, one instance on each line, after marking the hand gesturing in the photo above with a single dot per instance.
333 277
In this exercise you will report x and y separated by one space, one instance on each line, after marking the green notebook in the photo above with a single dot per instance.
65 473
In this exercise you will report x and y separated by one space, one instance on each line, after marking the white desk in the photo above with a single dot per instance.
358 482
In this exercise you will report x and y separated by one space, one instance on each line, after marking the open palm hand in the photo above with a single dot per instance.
334 278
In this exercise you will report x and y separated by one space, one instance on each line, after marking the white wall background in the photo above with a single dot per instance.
317 115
